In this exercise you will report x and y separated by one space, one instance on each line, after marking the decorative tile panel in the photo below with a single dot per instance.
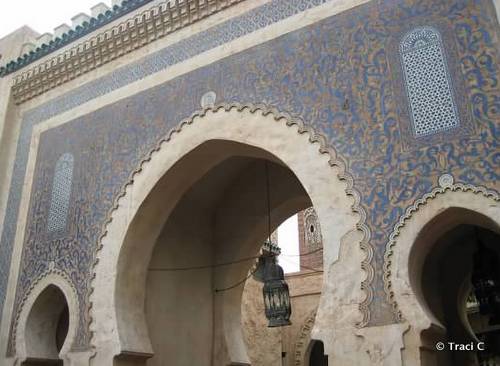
257 18
428 83
61 192
337 75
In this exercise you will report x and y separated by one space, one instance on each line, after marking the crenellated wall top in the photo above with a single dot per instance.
82 24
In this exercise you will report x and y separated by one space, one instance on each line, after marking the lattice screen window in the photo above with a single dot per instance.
428 83
61 192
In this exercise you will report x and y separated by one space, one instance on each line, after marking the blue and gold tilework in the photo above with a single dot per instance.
344 76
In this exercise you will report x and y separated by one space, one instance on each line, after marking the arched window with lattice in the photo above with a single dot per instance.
428 83
61 192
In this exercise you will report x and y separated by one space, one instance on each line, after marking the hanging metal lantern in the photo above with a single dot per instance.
276 293
275 289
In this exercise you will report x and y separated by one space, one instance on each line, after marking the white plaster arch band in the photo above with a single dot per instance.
318 168
59 280
480 207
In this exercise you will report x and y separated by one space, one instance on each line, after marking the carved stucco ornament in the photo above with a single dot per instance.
312 229
208 99
446 180
303 340
446 183
101 48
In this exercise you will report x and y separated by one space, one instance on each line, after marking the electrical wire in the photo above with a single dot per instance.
174 269
315 270
230 263
312 269
266 171
237 283
268 199
304 254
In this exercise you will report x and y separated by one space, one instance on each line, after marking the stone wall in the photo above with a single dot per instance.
285 346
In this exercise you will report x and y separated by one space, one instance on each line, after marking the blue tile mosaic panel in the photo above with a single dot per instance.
61 192
232 29
340 75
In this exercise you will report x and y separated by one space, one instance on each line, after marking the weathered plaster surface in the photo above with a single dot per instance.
338 75
266 345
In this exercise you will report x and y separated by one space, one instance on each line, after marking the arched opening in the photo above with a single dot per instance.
46 328
317 355
147 202
206 248
454 254
301 259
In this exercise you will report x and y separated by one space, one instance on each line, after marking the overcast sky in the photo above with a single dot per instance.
42 16
288 240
